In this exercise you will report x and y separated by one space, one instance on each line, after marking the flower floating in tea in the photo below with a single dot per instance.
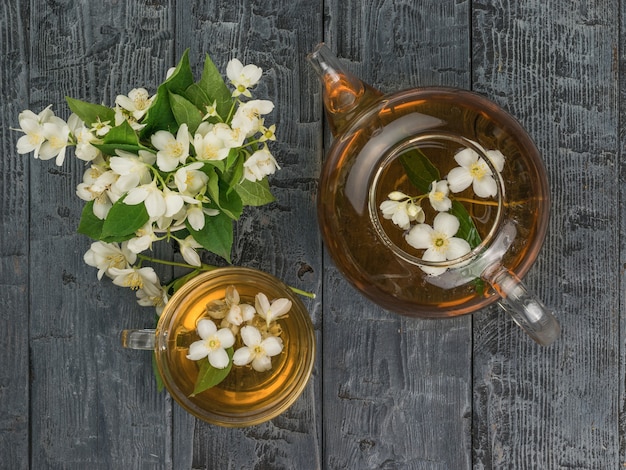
453 233
438 241
474 171
252 330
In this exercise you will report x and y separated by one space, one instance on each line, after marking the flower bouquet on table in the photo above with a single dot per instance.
177 166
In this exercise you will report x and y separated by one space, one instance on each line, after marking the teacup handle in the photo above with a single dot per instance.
138 339
525 309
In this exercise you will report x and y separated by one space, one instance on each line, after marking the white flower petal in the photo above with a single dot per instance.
161 139
234 315
262 363
466 157
459 179
420 236
242 356
196 219
197 351
247 312
485 186
497 159
190 256
219 358
434 255
173 204
272 345
136 196
457 247
155 204
206 328
446 223
401 218
165 162
233 69
262 304
280 307
251 336
226 337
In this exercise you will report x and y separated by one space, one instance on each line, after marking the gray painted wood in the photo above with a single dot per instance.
387 391
396 385
554 67
14 246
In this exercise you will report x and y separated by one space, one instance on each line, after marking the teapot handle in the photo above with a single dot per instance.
525 309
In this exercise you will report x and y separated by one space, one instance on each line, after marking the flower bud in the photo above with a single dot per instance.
397 196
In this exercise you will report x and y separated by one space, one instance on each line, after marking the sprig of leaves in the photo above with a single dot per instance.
179 100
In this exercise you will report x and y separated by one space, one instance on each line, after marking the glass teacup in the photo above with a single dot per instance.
246 397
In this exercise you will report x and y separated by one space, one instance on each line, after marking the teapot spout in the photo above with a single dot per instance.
344 94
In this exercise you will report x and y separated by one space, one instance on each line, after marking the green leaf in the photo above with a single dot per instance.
467 229
160 115
123 221
233 172
255 193
89 224
209 376
181 281
420 171
185 112
123 134
213 85
157 374
122 137
216 236
230 202
198 96
213 185
90 113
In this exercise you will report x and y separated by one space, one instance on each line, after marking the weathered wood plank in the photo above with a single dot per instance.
553 66
620 53
280 238
397 391
92 402
14 266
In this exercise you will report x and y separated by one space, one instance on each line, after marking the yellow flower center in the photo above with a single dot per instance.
440 242
35 139
56 142
134 281
477 170
213 343
141 101
175 149
116 261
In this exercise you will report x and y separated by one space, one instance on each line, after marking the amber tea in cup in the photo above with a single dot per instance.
246 397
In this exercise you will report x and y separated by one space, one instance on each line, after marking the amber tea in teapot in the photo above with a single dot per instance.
433 201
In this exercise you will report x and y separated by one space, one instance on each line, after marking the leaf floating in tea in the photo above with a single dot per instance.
210 376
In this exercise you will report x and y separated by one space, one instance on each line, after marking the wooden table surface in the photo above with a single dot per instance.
387 391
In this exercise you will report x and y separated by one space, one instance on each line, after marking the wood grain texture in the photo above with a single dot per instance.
620 60
14 256
92 403
397 391
387 392
552 65
280 238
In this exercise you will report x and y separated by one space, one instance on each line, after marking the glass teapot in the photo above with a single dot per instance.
433 202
